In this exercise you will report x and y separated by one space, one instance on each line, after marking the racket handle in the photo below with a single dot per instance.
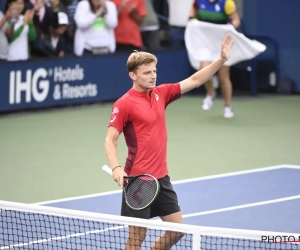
107 169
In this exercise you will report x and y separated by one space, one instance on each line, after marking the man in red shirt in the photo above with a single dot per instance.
140 115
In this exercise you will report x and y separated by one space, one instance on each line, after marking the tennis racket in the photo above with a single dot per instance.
140 191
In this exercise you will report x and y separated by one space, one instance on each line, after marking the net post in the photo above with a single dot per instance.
196 241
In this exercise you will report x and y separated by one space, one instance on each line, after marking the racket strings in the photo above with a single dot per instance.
141 192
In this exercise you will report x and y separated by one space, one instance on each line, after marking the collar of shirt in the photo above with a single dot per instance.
139 93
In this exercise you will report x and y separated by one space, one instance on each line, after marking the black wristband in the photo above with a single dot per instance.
115 168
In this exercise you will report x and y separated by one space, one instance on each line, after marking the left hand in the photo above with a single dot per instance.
132 9
226 47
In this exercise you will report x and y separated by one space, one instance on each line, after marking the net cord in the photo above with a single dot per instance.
196 231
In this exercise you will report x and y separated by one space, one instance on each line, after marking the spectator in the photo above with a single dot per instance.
57 35
72 26
131 16
63 5
218 13
20 31
178 16
95 21
150 28
44 18
3 38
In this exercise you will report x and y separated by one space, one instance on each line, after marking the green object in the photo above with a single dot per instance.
31 32
100 22
212 16
16 33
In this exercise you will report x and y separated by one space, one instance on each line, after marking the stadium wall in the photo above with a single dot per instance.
279 20
69 81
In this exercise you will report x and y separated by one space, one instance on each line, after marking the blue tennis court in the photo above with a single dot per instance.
266 199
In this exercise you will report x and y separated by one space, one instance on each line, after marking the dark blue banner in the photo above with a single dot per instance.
49 83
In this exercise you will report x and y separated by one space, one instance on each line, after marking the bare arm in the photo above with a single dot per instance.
10 32
8 29
111 146
136 17
111 154
235 20
122 6
193 11
200 77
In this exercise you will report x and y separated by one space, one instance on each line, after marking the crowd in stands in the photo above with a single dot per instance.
57 28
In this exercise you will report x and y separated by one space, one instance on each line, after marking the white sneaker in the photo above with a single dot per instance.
228 113
207 102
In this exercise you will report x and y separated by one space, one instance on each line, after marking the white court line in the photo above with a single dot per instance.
62 237
173 182
291 166
242 206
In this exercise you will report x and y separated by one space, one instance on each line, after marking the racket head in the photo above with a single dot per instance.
140 191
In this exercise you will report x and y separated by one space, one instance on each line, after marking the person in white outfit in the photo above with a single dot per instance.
95 21
217 12
20 31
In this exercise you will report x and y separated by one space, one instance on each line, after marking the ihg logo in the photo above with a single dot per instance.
34 85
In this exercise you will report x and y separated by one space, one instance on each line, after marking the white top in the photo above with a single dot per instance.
54 42
179 11
18 49
3 40
93 31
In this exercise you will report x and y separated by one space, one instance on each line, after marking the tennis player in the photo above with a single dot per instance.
140 115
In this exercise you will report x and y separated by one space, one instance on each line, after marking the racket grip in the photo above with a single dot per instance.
107 169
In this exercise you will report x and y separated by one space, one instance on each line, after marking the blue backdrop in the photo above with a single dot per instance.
49 83
279 20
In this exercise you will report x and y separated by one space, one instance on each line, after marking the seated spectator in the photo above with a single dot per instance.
95 21
3 38
131 16
44 18
20 31
57 35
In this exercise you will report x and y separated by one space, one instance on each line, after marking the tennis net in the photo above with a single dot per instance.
25 226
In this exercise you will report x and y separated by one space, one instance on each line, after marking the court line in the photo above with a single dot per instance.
291 166
58 238
289 198
173 182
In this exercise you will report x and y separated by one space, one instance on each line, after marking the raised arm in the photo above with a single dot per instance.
230 11
201 76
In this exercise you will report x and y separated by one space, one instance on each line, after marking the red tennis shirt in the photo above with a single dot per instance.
142 120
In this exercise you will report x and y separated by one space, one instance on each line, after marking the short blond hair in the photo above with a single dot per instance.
138 58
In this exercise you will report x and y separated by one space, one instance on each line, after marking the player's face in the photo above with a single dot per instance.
145 76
